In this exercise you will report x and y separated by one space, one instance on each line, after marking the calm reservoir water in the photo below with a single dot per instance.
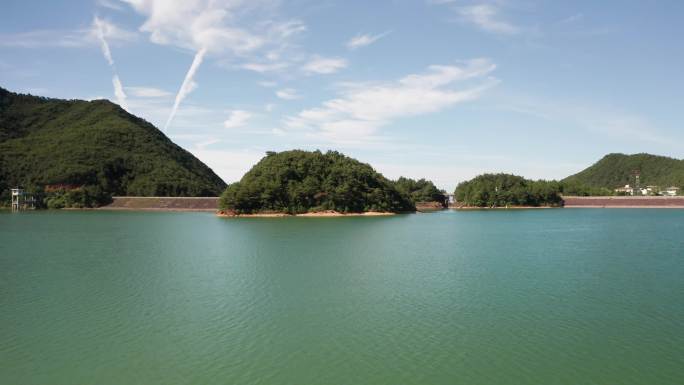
573 296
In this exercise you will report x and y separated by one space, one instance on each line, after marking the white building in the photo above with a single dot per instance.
627 190
671 191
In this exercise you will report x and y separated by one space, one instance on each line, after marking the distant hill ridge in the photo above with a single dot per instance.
616 170
94 144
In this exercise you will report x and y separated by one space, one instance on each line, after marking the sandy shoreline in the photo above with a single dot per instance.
319 214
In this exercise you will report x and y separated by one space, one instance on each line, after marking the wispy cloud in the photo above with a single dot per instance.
148 92
100 27
111 4
237 118
572 18
485 16
322 65
265 67
488 18
76 38
362 40
287 94
361 109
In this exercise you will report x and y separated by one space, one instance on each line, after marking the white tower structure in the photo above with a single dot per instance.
17 198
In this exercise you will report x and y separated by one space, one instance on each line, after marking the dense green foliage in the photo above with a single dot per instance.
96 146
576 188
421 190
617 170
302 181
501 190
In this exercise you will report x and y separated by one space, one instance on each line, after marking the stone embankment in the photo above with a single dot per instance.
625 202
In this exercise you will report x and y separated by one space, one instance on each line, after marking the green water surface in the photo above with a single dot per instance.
566 296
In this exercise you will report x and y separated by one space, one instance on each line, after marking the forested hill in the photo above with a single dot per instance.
304 181
616 170
94 146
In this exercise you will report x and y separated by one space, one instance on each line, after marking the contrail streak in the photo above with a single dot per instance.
118 87
188 85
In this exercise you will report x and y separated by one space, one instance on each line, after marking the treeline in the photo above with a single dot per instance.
302 181
502 190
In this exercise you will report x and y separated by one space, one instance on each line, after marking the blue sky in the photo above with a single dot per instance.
442 89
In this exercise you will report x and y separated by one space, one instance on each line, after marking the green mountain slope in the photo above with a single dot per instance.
96 145
303 181
616 170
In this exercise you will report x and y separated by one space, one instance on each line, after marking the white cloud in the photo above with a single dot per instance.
268 84
287 94
265 67
219 26
237 118
322 65
362 109
148 92
487 17
360 40
239 29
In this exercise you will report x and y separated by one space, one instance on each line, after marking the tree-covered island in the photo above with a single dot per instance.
507 190
297 182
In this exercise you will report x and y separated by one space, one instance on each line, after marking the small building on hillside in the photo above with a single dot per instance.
627 190
671 191
650 190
